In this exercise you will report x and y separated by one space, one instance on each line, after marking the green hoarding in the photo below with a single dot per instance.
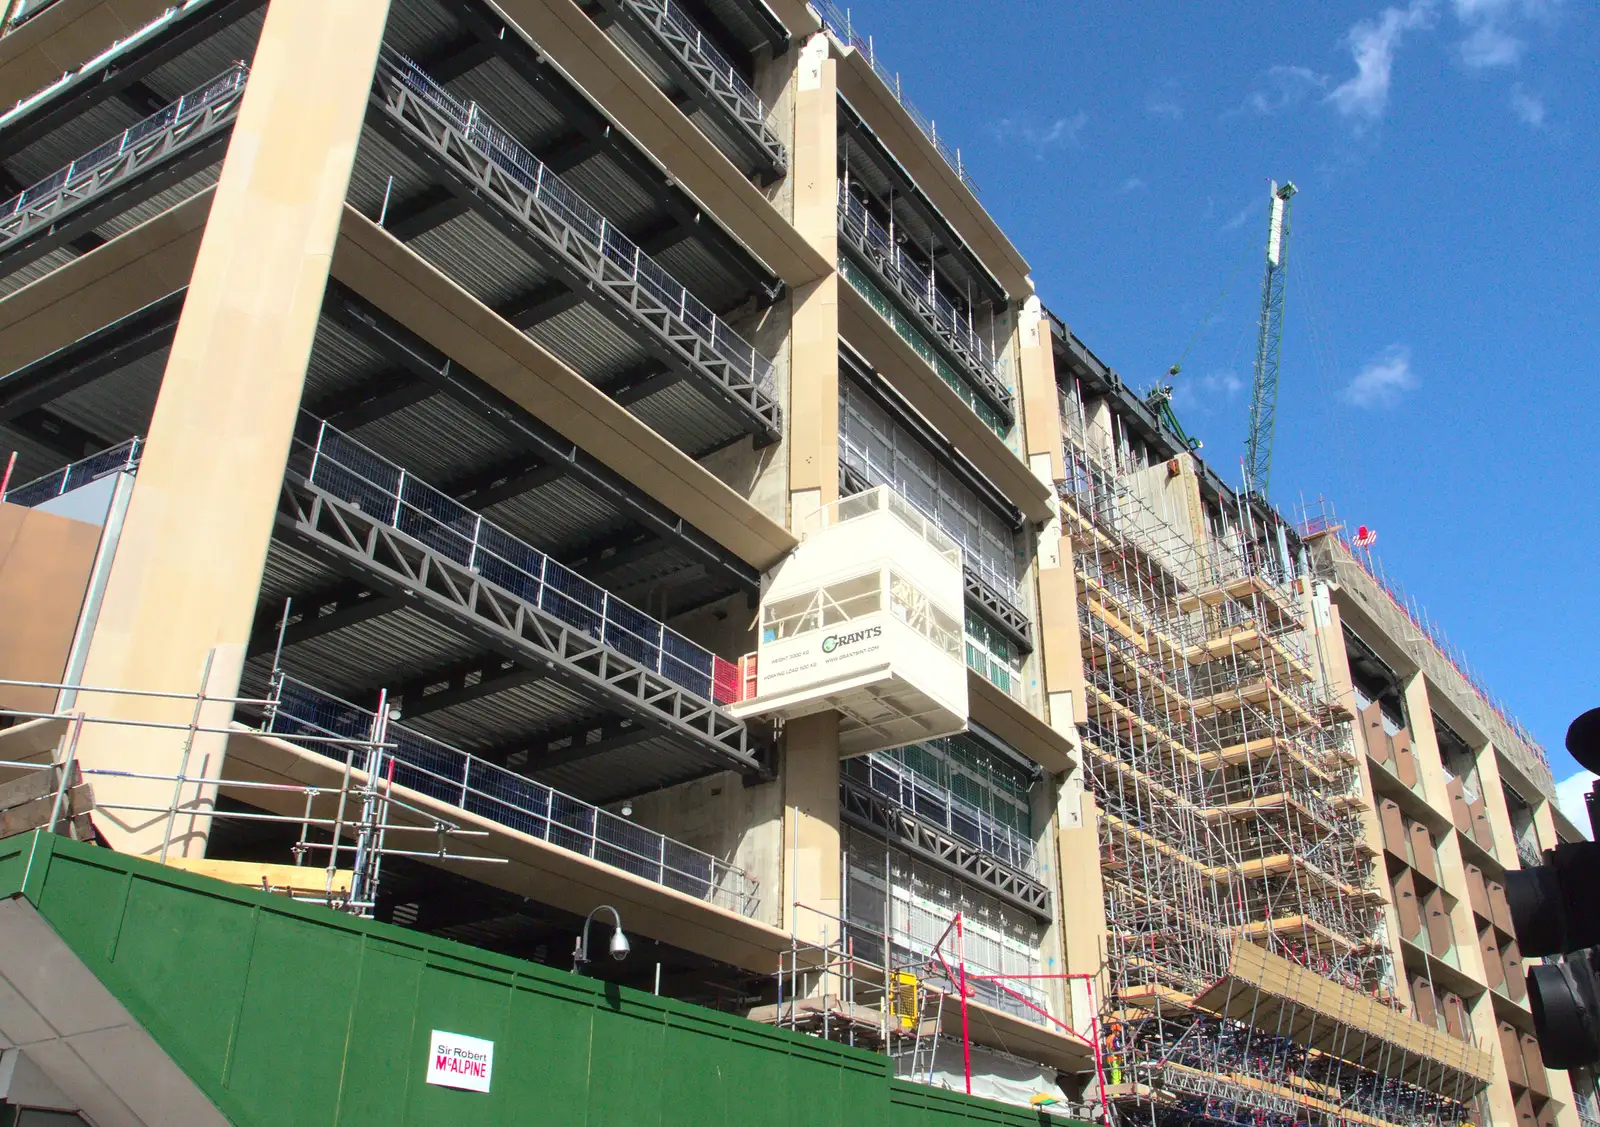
283 1013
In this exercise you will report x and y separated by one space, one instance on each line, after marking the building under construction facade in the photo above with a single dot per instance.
495 477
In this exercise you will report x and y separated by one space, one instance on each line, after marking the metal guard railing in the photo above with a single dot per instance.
580 217
118 459
436 769
920 287
706 60
843 28
82 170
942 808
341 466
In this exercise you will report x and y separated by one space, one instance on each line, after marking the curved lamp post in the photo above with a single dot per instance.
619 941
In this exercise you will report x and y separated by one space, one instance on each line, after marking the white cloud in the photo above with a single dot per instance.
1569 796
1384 379
1490 45
1237 219
1163 101
1373 43
1041 139
1131 184
1492 29
1209 393
1529 108
1283 87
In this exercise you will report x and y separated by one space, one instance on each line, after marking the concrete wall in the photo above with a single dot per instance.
741 824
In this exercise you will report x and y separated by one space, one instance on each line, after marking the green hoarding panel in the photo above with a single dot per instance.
288 1013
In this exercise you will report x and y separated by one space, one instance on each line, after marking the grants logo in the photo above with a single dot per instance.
835 641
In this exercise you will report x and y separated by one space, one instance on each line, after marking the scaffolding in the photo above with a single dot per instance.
1230 818
354 840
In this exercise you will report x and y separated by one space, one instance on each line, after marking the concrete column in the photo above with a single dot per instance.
1494 801
1083 924
1487 1032
1041 405
182 592
1060 645
814 349
1335 670
812 872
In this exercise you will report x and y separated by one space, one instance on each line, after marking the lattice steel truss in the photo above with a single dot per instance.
533 207
1230 812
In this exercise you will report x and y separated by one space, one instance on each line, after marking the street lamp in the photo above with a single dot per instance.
619 941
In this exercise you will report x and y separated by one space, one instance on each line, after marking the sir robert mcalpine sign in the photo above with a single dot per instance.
458 1061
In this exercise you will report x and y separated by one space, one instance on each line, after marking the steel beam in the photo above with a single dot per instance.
460 683
408 351
704 85
140 172
430 208
541 303
126 70
456 58
546 236
643 382
463 602
372 399
562 747
483 489
87 359
879 815
609 553
61 435
585 117
317 614
904 188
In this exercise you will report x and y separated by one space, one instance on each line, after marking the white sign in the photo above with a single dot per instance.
458 1061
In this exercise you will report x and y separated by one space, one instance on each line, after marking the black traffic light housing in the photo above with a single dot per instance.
1555 908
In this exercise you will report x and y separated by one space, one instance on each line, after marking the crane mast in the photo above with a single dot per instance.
1269 342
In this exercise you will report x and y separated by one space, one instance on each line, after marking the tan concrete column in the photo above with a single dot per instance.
814 348
1487 1031
1335 669
188 566
1041 403
1060 649
812 876
1083 915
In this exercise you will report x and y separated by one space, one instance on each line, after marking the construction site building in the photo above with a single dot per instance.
493 477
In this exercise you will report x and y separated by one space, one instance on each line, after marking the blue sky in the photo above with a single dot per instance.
1443 315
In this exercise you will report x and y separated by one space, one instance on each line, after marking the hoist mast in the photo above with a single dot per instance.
1269 342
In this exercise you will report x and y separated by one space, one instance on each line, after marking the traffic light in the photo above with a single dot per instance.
1555 908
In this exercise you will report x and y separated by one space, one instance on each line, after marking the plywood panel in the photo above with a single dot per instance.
1533 1065
1377 738
1478 892
1526 1116
44 569
1394 828
1405 760
1494 969
1455 1015
1436 911
1407 907
1459 814
1423 858
1516 976
1422 1002
1499 908
1511 1053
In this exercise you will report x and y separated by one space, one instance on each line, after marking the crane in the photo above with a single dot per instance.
1269 342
